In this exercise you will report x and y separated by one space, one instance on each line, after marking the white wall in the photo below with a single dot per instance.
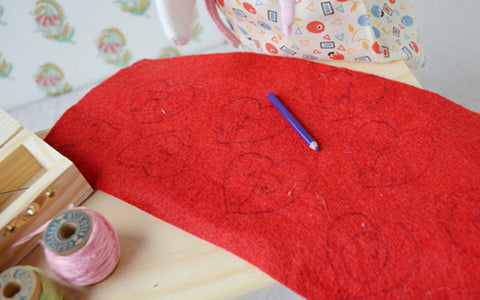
450 32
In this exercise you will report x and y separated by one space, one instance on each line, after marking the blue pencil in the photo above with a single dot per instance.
291 119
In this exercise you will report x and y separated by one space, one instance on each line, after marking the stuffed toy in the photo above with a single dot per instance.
369 30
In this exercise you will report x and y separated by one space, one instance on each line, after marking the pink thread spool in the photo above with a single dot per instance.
81 246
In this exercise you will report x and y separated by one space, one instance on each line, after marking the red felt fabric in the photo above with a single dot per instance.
388 208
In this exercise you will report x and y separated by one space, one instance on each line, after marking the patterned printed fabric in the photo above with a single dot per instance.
50 47
360 30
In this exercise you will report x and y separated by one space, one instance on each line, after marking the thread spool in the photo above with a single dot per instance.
27 283
81 246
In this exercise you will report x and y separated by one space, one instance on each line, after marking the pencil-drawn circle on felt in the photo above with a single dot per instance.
330 87
374 255
247 120
82 136
459 215
386 157
341 95
368 258
256 184
162 155
159 100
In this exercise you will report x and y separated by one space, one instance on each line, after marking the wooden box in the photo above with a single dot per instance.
36 183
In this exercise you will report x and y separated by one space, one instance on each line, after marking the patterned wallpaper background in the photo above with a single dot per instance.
50 47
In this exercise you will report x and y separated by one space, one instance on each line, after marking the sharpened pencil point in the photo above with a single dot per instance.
292 121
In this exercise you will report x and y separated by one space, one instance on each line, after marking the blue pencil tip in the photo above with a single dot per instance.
291 119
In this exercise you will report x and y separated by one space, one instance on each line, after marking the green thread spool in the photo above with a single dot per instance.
29 283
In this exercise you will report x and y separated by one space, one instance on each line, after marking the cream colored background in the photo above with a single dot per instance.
450 32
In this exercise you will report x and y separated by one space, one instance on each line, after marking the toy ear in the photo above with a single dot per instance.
288 18
229 36
176 17
288 15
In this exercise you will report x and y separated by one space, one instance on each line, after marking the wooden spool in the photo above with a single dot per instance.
20 283
68 232
42 184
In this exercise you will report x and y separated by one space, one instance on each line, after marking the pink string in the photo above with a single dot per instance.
34 233
94 261
90 264
28 236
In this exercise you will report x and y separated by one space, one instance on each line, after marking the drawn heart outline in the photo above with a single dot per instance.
342 95
459 215
161 155
82 136
247 119
159 100
369 259
254 183
386 157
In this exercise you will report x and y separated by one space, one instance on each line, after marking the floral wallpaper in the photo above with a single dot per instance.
135 7
51 47
1 14
51 21
51 80
111 46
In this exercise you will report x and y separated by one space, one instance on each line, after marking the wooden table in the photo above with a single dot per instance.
160 261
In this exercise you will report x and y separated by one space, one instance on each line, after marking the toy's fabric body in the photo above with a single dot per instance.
369 30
